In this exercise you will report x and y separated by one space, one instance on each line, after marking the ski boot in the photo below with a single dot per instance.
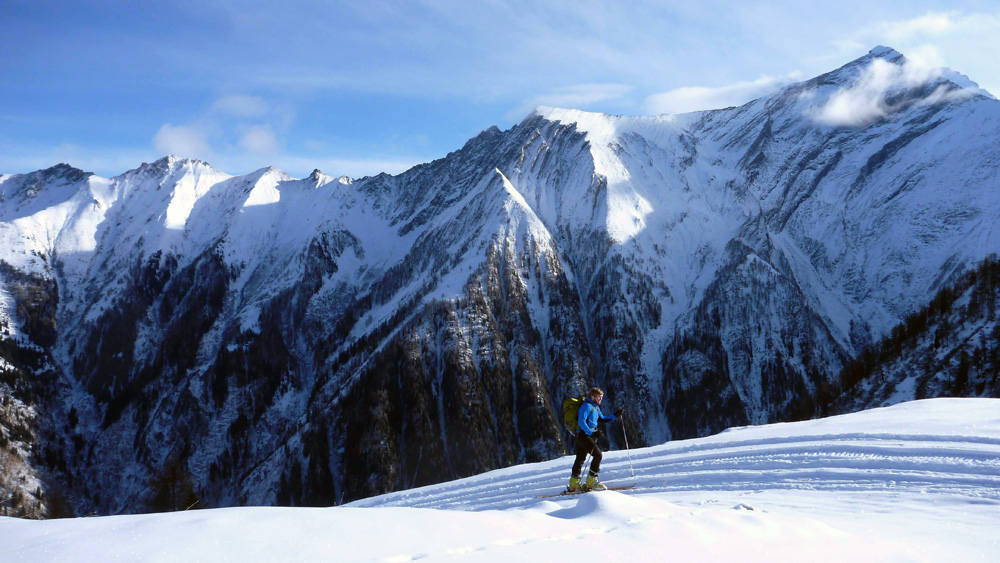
575 484
593 484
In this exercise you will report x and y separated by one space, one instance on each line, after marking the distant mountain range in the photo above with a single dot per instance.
261 339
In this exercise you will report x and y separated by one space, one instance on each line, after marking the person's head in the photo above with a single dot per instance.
596 395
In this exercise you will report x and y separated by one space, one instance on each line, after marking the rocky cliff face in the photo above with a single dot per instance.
305 341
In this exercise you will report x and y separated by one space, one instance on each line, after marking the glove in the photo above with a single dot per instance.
596 435
618 412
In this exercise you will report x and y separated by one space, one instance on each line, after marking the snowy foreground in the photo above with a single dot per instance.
914 482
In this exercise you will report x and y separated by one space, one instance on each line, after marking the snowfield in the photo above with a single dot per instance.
913 482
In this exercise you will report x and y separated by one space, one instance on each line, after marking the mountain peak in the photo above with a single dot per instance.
167 160
586 121
167 165
34 183
850 72
886 53
269 171
70 174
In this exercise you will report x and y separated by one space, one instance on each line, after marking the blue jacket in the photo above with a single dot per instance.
590 412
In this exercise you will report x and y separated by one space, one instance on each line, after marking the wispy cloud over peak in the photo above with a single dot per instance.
260 140
963 40
182 140
698 98
886 87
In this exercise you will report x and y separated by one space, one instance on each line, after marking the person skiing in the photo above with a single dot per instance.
586 441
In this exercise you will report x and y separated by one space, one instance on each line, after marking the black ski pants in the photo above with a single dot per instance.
586 445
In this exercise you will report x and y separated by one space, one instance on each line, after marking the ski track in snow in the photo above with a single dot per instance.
860 463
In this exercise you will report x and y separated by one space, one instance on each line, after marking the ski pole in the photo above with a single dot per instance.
627 452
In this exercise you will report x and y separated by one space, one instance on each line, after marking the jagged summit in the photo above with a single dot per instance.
929 75
62 172
167 165
63 169
883 52
271 171
910 75
40 189
169 161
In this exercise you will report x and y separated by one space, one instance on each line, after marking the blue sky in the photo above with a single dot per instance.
361 87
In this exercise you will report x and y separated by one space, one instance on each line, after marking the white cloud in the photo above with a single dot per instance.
867 99
259 140
964 41
315 145
906 31
244 107
233 129
185 141
240 134
922 61
861 103
698 98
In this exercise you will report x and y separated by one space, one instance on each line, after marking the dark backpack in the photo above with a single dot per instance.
571 413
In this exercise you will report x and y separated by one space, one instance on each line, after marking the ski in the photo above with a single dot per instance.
568 493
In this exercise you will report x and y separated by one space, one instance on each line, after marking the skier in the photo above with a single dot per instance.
586 441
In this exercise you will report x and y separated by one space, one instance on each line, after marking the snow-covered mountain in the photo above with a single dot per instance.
300 341
915 482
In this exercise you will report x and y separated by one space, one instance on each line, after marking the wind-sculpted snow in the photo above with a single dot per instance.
302 341
915 482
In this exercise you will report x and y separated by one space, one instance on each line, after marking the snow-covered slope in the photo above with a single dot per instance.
949 348
297 341
915 482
